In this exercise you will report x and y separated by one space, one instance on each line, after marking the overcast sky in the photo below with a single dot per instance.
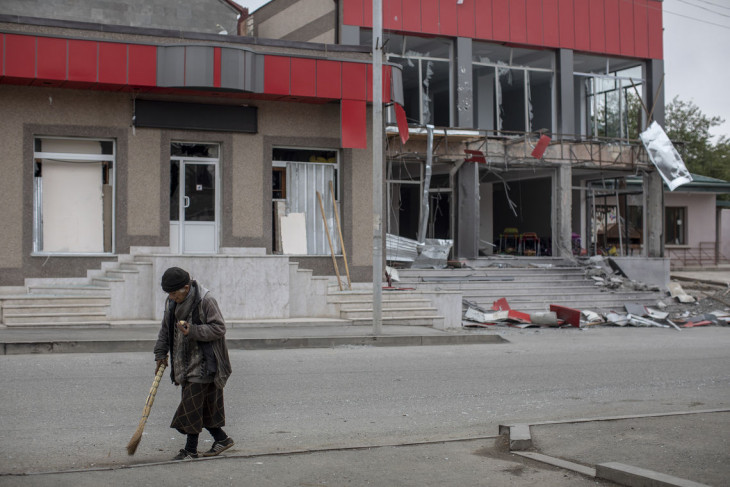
696 48
696 42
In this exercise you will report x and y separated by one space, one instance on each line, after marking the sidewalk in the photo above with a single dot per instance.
683 449
259 335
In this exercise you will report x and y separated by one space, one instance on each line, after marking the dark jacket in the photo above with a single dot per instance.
206 337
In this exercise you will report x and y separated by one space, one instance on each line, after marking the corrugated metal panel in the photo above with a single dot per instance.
303 182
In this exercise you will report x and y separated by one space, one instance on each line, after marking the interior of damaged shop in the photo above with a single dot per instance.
516 201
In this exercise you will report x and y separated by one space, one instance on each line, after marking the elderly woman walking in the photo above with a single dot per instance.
193 333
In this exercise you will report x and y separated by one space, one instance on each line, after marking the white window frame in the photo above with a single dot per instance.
38 191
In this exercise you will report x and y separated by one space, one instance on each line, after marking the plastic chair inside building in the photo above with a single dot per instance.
509 241
529 244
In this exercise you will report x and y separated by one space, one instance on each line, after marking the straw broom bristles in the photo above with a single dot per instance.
137 436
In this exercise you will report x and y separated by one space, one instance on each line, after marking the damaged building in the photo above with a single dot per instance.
239 144
517 113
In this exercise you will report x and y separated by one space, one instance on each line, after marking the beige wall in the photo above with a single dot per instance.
47 107
247 192
11 184
301 21
144 173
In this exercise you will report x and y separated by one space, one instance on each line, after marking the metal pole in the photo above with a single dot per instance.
377 166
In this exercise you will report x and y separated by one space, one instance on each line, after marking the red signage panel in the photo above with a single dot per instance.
112 63
329 79
303 77
276 75
20 54
51 58
143 65
353 122
82 61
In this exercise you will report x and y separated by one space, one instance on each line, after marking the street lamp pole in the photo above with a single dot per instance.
377 166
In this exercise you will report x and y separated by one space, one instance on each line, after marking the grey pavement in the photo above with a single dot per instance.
686 448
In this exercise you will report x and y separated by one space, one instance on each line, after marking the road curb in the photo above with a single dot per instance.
640 477
112 346
519 439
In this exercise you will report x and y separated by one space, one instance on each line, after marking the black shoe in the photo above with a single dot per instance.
219 447
185 455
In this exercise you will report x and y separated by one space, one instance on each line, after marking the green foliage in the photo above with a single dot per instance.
689 130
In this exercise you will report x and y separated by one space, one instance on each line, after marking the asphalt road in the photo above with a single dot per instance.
78 411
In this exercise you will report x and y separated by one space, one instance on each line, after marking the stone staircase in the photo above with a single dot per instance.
527 288
79 302
120 292
398 307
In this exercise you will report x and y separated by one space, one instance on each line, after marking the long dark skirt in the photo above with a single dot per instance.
201 407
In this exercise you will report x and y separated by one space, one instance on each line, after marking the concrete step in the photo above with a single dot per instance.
70 324
407 313
432 321
387 304
78 290
367 296
57 318
36 308
52 300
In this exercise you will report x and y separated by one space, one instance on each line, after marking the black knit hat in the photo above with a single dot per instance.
174 278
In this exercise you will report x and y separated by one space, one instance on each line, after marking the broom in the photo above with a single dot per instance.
137 436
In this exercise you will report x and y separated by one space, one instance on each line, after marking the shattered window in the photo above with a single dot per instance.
611 91
513 88
427 78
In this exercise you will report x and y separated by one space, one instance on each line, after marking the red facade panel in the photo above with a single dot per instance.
566 18
303 77
353 81
581 25
112 63
483 18
329 79
2 53
353 122
518 22
216 66
82 61
367 13
392 15
656 49
430 16
613 34
465 20
143 65
52 54
550 23
352 12
534 19
20 54
500 20
641 29
626 25
447 18
387 73
411 15
276 75
597 26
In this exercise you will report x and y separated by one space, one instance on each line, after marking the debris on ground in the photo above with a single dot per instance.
696 304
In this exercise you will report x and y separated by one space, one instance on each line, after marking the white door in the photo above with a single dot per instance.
193 207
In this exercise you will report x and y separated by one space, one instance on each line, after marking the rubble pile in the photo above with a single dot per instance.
698 305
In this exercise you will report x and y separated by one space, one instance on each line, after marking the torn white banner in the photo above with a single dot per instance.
665 157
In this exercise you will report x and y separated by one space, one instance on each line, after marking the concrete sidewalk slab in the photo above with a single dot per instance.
693 448
141 337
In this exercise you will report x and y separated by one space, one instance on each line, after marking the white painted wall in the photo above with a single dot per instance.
701 220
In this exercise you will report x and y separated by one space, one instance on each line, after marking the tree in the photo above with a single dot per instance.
689 129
